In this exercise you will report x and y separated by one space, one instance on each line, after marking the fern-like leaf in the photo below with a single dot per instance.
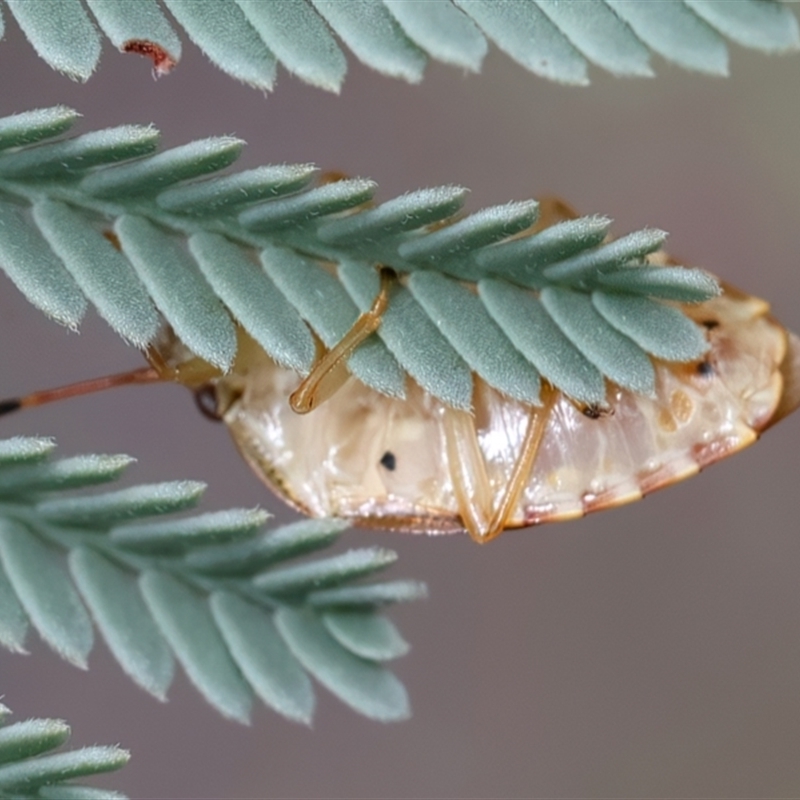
554 39
29 770
208 590
477 294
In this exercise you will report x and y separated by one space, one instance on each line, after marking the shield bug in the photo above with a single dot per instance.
329 445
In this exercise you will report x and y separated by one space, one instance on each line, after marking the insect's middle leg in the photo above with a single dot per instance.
483 519
330 372
537 424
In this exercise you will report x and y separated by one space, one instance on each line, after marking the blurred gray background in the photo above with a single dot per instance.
649 651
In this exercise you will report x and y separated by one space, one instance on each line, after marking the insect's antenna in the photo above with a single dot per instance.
143 375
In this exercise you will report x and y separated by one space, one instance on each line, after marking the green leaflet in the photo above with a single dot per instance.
123 618
37 574
452 243
128 23
122 302
263 657
61 33
71 791
442 31
71 157
25 449
177 536
305 208
366 634
600 35
537 336
364 685
36 270
224 34
186 623
67 473
179 290
673 31
248 38
614 354
324 572
376 594
102 510
247 558
147 176
27 771
30 738
26 775
661 330
13 619
479 340
406 213
254 300
412 337
219 194
529 37
30 127
161 588
284 259
768 26
300 40
370 31
304 283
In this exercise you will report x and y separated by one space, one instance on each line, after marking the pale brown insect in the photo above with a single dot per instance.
329 445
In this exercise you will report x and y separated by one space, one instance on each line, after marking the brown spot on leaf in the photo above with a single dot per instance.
163 62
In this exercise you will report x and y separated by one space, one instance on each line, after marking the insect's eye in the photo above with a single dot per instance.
705 368
389 461
205 397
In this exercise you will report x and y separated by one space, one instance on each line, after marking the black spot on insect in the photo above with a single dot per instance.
710 324
596 411
389 461
205 398
705 368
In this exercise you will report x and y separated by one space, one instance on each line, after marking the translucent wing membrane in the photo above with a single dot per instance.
158 237
215 592
248 39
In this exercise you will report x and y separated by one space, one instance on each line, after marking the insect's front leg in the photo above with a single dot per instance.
330 372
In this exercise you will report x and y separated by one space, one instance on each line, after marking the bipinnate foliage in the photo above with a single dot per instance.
552 38
29 770
215 591
148 237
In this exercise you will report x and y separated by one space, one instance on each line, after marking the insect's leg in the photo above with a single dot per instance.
330 372
537 424
553 210
143 375
468 472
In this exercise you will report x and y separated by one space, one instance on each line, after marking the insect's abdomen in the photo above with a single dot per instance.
385 462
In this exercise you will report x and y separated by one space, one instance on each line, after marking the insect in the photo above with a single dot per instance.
329 445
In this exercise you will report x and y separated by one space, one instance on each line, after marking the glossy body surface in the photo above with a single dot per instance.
416 465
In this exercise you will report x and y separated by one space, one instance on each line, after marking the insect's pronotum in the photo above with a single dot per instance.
329 445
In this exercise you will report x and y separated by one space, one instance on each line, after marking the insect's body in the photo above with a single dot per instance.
417 465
